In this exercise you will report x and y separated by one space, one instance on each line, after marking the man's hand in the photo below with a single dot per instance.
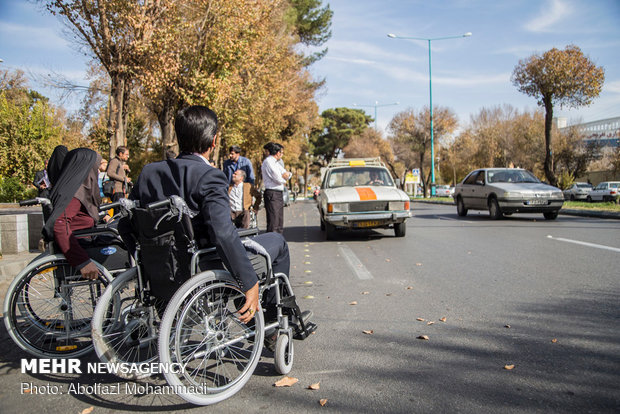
251 306
90 271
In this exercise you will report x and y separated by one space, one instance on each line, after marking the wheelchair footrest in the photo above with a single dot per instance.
302 334
303 327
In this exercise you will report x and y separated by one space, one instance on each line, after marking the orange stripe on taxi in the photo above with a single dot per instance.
366 193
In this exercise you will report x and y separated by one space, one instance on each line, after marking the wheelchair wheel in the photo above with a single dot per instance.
124 329
202 333
283 353
49 307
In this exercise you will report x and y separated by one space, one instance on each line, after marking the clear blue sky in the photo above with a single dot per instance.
364 66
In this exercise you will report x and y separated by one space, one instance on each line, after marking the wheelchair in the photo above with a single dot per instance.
191 313
49 306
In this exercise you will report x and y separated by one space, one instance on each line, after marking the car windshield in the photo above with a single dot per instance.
511 176
355 176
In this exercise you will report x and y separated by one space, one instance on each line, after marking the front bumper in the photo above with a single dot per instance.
367 220
529 206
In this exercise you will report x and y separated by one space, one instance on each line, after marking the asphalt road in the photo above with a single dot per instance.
538 295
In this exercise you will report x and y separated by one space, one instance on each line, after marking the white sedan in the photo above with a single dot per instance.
360 194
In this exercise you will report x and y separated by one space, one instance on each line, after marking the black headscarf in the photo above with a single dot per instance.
77 178
54 165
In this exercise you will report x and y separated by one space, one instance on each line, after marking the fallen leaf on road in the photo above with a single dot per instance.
370 332
409 287
509 367
443 319
507 326
323 402
353 303
365 293
554 340
308 297
286 382
27 391
388 294
308 282
420 319
315 386
88 410
430 323
424 337
418 264
388 260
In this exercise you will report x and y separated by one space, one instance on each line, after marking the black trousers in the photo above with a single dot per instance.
274 207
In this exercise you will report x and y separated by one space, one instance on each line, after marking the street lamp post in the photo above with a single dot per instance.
430 91
376 105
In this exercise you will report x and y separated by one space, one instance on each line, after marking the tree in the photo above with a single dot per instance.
558 77
30 128
116 33
339 125
412 130
311 24
371 144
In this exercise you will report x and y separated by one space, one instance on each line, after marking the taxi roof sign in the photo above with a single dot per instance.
357 163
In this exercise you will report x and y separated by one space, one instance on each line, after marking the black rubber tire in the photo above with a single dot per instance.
460 207
330 231
551 215
400 229
494 211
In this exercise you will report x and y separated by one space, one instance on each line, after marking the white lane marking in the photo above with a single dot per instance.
354 263
598 246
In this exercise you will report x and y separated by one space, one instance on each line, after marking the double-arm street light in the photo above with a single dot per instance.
430 90
376 105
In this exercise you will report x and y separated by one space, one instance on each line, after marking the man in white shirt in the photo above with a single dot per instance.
274 180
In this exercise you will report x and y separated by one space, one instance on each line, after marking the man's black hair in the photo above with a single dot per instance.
273 148
234 148
196 127
121 150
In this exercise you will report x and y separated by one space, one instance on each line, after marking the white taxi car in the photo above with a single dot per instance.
359 193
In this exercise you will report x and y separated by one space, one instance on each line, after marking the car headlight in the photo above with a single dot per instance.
338 207
512 194
557 194
398 205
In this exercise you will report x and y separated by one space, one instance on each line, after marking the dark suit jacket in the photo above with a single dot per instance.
205 190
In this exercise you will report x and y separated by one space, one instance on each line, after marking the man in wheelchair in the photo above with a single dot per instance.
205 191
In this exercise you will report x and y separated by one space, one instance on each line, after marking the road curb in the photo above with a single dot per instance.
564 211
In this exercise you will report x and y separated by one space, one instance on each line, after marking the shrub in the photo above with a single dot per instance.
12 190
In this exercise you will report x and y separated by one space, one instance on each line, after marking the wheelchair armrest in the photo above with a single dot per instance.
96 231
248 232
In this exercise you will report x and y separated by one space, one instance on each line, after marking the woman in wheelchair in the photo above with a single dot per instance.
75 200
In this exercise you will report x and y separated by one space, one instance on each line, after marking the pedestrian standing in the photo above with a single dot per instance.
275 177
236 162
117 171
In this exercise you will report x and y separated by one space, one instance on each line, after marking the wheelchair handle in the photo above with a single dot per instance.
108 206
35 201
157 204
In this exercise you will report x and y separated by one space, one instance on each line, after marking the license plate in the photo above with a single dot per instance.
537 202
369 223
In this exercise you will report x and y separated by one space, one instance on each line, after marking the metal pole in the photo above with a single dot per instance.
430 90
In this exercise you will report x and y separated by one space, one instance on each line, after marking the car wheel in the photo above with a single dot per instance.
400 229
589 199
460 207
494 210
572 197
330 231
551 215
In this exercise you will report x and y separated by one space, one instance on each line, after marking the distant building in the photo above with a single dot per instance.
605 132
